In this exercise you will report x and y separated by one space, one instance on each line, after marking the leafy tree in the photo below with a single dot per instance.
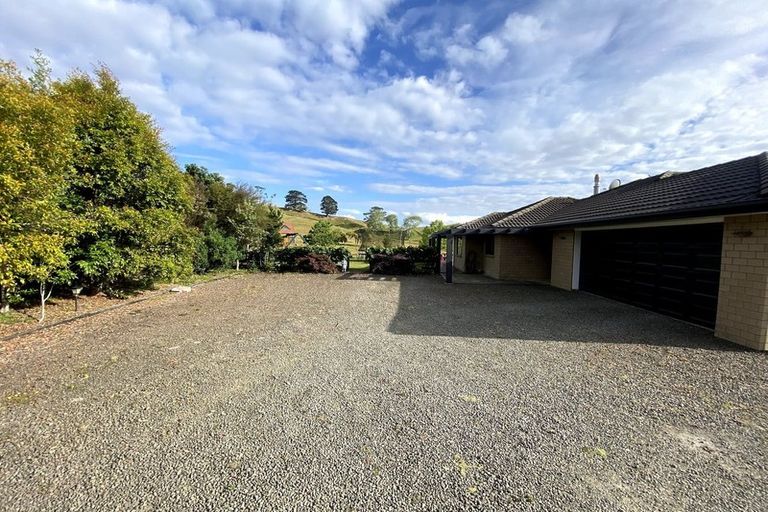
36 145
375 218
257 228
392 236
296 201
392 222
236 220
126 187
247 226
202 175
410 223
434 227
329 206
324 234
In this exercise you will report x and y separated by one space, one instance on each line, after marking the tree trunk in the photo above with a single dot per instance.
4 306
237 264
43 299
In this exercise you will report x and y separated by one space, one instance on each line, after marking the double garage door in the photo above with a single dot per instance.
671 270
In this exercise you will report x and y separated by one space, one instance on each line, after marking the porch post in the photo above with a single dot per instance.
449 259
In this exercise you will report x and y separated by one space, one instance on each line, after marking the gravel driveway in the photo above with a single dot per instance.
302 392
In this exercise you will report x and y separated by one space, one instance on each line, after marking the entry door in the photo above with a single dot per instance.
671 270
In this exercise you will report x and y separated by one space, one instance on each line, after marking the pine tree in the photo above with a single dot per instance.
329 206
296 200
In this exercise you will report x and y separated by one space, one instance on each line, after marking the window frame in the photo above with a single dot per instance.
490 243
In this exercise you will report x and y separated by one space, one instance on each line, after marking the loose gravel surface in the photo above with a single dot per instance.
302 392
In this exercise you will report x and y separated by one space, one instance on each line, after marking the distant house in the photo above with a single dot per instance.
291 237
690 245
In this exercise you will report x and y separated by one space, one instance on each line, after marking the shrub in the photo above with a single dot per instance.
402 260
393 264
222 249
316 264
286 260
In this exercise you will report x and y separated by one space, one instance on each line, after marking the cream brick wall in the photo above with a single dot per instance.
491 263
518 257
742 308
562 260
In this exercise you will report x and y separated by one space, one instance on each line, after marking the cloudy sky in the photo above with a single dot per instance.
445 109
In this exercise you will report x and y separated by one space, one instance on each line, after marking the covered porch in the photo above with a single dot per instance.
492 255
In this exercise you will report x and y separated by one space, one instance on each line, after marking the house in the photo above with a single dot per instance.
291 237
499 246
690 245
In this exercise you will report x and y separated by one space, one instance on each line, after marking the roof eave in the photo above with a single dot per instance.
750 207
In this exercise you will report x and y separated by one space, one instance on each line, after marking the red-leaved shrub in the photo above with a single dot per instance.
316 264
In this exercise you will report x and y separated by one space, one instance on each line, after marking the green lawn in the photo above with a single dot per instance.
358 266
13 317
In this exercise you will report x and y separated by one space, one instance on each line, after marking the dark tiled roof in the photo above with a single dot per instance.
485 221
534 213
511 222
731 186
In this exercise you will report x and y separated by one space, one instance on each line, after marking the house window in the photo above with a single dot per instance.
459 246
490 245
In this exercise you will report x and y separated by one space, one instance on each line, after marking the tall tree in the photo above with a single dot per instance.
296 201
374 218
257 229
392 237
128 189
36 145
329 206
410 223
392 222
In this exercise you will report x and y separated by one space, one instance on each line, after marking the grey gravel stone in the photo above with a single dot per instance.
302 392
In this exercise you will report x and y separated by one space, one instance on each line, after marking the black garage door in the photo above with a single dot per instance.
671 270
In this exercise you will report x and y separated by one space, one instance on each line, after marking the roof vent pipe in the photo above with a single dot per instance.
596 189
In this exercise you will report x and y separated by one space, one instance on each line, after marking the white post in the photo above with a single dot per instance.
576 260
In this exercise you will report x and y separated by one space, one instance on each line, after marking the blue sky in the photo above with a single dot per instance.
443 109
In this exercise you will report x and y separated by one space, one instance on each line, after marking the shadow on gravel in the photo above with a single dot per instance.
429 307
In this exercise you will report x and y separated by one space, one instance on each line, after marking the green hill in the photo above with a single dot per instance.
302 222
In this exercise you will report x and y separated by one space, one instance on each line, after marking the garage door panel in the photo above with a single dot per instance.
672 270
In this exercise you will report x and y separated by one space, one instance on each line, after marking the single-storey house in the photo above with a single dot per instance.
691 245
500 245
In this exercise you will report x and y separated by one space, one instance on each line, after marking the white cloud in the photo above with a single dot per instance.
523 29
496 107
